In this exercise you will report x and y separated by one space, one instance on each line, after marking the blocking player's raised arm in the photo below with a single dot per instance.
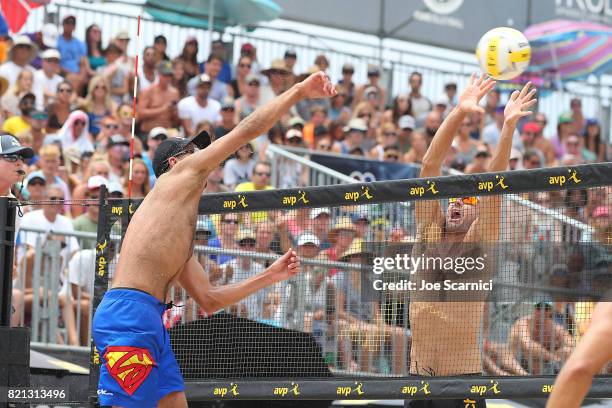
317 85
428 211
487 224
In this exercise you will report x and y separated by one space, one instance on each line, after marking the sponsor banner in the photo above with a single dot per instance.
367 170
558 178
469 388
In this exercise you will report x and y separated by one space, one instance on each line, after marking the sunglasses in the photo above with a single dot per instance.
535 163
465 200
235 222
263 174
100 87
12 158
65 90
253 83
365 115
36 183
392 157
55 198
390 134
250 244
348 72
113 126
79 123
324 147
94 197
244 65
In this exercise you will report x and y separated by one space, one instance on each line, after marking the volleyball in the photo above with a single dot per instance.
503 53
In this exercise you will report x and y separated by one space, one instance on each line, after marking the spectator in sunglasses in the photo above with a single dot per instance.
12 157
237 86
75 132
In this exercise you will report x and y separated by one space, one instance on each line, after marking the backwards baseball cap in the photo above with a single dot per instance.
406 122
9 144
173 146
565 117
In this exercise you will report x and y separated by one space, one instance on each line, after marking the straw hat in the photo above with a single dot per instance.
356 248
277 65
24 40
342 223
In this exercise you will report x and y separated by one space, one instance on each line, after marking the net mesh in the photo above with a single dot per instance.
546 259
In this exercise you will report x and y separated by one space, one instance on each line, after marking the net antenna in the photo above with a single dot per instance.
134 110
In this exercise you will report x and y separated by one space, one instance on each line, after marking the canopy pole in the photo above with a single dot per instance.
211 21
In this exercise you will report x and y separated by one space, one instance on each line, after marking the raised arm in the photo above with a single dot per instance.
427 212
317 85
487 224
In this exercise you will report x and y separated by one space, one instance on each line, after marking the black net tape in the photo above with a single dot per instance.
493 274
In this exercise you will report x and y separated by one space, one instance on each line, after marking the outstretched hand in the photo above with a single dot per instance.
473 93
318 85
518 102
284 267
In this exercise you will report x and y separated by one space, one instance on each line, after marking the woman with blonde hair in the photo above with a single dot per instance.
140 180
98 103
23 85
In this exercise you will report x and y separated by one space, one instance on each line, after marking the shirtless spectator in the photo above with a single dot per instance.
157 103
540 343
148 76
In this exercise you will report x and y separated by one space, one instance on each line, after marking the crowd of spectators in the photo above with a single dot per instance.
70 100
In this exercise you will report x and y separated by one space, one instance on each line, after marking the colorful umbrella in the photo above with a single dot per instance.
570 50
16 12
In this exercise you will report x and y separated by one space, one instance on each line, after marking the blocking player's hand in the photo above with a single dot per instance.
284 267
518 103
473 93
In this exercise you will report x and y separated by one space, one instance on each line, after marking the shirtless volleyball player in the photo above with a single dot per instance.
445 334
138 366
593 351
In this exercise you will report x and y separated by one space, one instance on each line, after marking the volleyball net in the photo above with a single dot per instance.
407 288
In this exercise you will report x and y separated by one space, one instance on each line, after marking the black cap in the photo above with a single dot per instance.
172 146
9 144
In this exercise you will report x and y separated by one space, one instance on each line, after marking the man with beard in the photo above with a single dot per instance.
445 334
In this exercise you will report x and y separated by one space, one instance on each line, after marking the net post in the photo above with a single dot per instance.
7 248
100 286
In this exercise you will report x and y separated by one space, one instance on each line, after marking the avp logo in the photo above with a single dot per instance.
292 200
561 180
356 195
420 191
413 390
117 210
443 6
223 391
282 391
547 388
232 204
346 391
482 389
101 259
489 185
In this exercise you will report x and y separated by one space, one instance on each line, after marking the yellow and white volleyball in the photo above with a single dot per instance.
503 53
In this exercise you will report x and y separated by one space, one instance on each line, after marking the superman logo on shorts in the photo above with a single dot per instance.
129 366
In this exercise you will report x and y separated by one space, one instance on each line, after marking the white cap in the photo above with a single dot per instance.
96 182
51 53
308 238
293 133
318 211
406 122
356 124
49 35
